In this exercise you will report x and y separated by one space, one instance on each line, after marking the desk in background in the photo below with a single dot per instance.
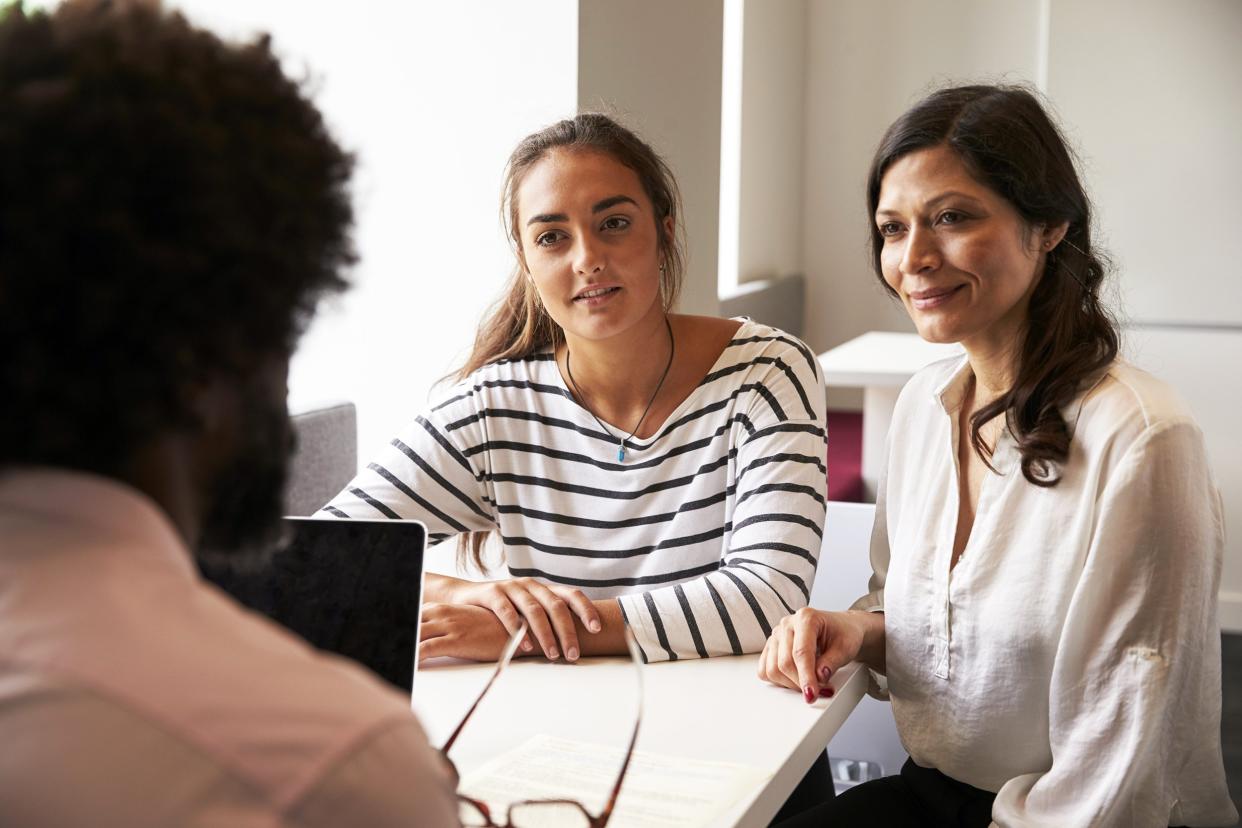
711 709
880 363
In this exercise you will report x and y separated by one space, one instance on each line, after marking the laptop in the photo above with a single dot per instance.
351 587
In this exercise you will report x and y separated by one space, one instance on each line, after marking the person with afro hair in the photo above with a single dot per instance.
172 208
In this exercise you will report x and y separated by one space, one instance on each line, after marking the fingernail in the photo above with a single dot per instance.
808 694
826 692
526 645
594 626
572 654
552 653
824 674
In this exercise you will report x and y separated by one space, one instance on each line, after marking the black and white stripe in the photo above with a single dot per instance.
708 532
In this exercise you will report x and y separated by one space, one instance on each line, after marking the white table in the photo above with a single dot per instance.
711 709
880 363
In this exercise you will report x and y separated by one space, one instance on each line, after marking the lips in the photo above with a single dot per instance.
933 297
596 293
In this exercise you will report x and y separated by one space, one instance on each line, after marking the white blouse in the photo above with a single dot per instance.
1070 661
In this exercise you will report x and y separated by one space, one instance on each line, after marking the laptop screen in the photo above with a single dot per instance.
351 587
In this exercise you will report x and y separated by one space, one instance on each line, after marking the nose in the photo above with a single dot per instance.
922 253
588 256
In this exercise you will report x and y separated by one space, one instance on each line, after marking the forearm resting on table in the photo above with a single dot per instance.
439 589
610 640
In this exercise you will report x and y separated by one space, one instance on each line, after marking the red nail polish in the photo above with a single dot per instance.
808 694
826 693
824 674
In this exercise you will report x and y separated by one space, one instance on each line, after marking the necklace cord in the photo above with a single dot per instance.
672 347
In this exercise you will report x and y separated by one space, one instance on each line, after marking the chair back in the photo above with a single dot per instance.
867 744
845 556
326 457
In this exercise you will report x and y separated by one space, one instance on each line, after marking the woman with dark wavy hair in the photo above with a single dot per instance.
1048 536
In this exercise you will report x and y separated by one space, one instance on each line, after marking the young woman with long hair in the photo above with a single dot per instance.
640 467
1048 536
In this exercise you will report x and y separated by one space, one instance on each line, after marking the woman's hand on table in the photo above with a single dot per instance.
806 648
549 611
460 631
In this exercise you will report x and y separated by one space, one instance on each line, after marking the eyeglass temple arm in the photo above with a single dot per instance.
501 662
606 813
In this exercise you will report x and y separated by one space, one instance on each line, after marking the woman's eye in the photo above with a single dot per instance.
952 217
615 223
890 228
548 238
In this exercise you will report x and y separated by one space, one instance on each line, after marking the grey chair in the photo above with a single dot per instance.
867 745
326 457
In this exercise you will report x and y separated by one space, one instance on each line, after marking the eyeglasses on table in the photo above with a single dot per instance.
544 813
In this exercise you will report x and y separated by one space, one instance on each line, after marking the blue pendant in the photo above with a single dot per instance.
620 452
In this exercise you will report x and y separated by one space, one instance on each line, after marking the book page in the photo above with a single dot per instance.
659 791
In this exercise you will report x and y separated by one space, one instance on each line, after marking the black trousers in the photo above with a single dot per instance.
918 798
813 791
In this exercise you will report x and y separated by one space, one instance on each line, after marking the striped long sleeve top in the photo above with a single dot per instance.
707 533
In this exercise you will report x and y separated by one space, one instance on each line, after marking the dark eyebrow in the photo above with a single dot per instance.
547 218
598 207
932 203
952 194
612 201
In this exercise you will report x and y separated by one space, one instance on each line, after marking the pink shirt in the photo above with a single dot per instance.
134 693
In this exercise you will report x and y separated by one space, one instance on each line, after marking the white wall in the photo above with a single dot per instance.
865 65
432 98
1152 92
656 64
